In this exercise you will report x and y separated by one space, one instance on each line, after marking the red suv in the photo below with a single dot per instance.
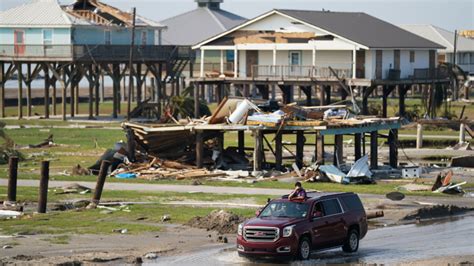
294 228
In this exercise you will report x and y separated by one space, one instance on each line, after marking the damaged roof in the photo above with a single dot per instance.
362 28
197 25
38 13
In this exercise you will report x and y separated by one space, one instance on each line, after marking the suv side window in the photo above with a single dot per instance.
352 202
331 207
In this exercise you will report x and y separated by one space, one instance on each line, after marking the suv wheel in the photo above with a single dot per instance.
304 249
351 244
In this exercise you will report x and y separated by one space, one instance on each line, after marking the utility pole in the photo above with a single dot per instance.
130 66
455 46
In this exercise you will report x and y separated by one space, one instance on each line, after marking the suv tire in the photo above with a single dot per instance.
351 244
304 249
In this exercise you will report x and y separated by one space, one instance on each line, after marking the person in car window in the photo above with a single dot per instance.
298 193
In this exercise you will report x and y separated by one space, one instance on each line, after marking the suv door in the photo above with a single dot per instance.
320 229
335 217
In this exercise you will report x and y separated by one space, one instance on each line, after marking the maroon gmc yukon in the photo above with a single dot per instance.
295 228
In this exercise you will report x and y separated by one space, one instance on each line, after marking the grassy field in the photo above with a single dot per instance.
135 218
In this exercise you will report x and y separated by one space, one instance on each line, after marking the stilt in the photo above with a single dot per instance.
102 86
91 92
97 90
338 150
328 94
300 140
3 79
319 148
402 92
419 136
241 141
279 151
374 149
116 88
199 149
77 95
63 93
393 147
20 90
72 97
139 83
46 93
28 90
54 98
357 146
322 98
258 150
196 101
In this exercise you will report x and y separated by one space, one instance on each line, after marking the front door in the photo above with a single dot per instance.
320 228
252 63
295 64
360 64
19 42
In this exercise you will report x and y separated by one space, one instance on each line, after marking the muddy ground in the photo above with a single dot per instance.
179 240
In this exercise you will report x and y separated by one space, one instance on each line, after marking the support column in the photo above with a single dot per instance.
77 94
338 150
202 63
91 93
462 133
419 136
328 94
63 93
222 75
3 79
28 90
236 63
73 92
241 141
54 96
300 140
393 147
20 90
402 92
97 90
384 101
319 148
196 100
46 93
258 150
322 98
365 102
279 151
357 146
374 149
199 149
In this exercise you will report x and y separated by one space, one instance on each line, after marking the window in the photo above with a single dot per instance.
331 207
412 56
295 58
108 37
47 37
463 58
352 202
144 37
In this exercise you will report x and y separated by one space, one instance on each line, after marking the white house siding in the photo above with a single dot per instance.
387 62
337 59
279 23
34 36
370 64
119 36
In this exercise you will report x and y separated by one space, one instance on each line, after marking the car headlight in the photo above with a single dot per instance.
287 231
240 229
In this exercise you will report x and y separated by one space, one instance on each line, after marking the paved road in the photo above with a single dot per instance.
392 245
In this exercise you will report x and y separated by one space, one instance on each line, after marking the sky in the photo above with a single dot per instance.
447 14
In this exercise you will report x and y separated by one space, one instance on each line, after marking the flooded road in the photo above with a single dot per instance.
382 246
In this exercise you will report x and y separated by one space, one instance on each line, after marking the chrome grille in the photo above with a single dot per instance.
261 234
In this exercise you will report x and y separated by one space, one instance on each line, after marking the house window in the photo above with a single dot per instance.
47 38
108 37
144 37
464 58
295 58
412 56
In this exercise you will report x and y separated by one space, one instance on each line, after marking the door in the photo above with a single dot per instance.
320 228
295 64
334 215
19 42
252 63
378 64
360 64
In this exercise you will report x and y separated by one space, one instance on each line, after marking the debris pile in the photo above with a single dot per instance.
443 184
218 220
437 211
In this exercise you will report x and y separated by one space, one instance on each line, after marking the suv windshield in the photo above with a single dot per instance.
285 209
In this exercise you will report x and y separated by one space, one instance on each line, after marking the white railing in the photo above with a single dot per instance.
297 71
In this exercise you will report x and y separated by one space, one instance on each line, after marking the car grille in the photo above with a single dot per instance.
261 234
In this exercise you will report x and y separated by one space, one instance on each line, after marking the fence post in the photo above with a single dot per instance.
12 178
43 188
104 167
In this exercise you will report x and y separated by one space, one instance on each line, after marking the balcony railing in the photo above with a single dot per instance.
287 71
430 73
95 52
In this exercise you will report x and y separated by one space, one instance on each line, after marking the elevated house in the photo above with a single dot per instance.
81 40
205 21
464 45
309 49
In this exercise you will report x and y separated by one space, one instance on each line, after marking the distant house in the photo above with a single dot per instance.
297 43
465 46
46 28
199 24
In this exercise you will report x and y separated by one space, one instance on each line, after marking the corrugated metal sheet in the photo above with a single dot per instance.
441 36
197 25
362 28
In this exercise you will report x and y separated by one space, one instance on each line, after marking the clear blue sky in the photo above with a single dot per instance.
448 14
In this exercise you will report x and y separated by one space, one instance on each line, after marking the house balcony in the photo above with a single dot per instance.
94 53
300 71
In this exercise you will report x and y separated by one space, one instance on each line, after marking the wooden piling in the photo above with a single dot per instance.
419 136
20 90
28 90
199 149
357 146
47 85
12 178
97 90
258 150
241 141
338 150
53 98
279 151
196 101
300 140
99 187
43 188
374 149
393 147
91 94
319 149
3 79
63 93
